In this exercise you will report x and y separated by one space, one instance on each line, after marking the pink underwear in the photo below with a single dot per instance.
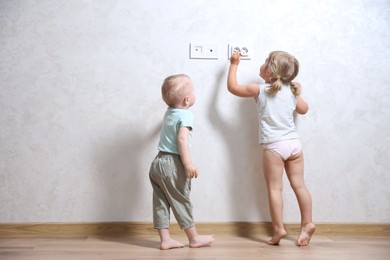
285 148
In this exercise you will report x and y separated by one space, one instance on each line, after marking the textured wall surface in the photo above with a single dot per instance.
80 106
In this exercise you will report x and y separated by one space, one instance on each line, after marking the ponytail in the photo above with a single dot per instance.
294 90
276 85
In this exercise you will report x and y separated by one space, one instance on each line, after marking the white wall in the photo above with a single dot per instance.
80 106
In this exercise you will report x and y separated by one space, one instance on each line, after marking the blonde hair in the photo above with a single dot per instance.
175 88
283 68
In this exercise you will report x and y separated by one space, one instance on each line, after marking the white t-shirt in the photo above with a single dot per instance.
276 115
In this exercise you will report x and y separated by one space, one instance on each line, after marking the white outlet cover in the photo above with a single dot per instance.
246 51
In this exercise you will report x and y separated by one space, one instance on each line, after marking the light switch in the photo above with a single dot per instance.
203 51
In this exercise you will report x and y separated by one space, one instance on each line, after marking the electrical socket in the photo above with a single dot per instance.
245 51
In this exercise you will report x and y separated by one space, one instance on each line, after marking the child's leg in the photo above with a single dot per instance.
273 166
198 240
161 212
295 173
161 220
166 241
177 190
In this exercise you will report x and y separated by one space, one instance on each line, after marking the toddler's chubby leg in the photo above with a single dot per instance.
277 236
196 240
273 166
295 173
166 241
305 234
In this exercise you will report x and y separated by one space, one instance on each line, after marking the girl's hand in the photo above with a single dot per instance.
235 58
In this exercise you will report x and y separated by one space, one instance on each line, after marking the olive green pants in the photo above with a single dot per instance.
171 189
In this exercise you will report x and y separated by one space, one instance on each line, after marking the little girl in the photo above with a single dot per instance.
276 101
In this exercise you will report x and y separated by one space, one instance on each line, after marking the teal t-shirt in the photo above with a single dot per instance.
174 118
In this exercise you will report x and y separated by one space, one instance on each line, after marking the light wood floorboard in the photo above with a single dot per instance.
116 241
224 248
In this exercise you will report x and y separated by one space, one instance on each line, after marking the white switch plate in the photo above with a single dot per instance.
246 51
203 51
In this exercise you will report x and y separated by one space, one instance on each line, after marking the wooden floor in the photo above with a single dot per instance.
225 247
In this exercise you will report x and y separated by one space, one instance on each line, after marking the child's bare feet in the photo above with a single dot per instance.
305 234
277 237
200 241
169 244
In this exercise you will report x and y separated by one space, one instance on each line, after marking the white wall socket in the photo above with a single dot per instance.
203 51
245 50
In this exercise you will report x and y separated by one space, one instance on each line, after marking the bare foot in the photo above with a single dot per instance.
200 241
305 234
277 237
169 244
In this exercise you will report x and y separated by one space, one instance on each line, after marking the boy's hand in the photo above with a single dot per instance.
191 171
235 58
296 86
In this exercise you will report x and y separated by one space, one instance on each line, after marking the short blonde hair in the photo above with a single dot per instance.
175 88
283 68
